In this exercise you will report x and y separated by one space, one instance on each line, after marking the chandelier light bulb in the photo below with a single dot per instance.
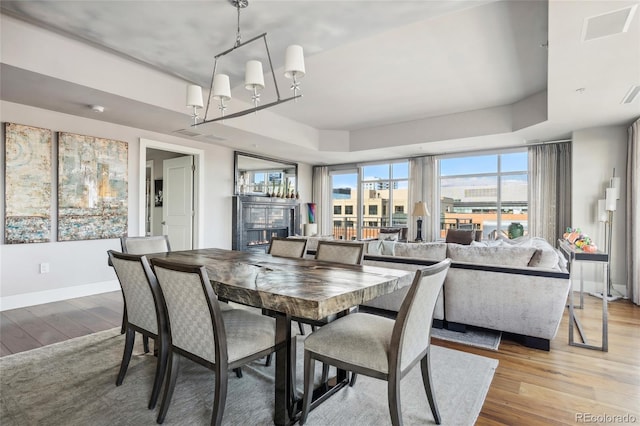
221 87
194 96
254 77
294 62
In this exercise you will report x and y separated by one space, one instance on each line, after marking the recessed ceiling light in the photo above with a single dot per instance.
97 108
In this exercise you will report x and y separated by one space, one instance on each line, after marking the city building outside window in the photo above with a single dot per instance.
487 192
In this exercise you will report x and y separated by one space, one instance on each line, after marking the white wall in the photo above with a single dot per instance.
596 152
80 268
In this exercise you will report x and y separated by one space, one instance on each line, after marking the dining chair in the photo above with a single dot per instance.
200 331
145 313
288 247
142 245
381 347
350 253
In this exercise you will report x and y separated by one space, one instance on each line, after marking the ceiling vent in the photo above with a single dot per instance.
185 132
631 95
608 24
214 138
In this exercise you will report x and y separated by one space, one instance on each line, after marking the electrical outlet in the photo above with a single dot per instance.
44 268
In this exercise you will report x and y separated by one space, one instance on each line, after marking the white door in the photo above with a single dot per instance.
177 206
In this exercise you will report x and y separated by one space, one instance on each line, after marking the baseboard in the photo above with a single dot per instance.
47 296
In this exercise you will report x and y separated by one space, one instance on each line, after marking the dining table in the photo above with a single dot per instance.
291 287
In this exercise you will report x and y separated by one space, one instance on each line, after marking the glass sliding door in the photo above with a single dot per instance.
345 204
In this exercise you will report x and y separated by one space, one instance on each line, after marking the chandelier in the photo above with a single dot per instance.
220 88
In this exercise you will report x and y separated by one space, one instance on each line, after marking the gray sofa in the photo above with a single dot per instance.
517 287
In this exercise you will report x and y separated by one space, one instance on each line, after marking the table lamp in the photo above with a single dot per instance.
420 210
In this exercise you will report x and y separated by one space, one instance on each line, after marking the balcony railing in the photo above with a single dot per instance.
345 228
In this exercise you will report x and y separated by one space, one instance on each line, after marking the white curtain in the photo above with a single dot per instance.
549 190
322 198
633 214
421 188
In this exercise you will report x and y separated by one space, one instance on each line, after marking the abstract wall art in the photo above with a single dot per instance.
92 187
28 177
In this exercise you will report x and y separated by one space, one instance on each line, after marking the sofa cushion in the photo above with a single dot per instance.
430 251
514 256
389 236
401 231
460 236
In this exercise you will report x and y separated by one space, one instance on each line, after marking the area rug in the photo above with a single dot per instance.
480 338
73 383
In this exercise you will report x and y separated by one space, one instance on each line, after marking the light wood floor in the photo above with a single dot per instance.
567 385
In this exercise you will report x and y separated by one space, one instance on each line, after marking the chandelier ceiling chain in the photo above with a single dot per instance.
220 88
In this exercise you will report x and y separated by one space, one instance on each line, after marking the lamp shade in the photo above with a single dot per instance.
253 76
194 96
610 203
294 62
615 185
420 209
221 87
602 211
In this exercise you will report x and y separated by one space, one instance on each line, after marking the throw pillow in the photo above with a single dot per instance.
460 236
388 248
388 236
374 247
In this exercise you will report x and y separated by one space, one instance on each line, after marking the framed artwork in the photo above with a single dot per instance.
28 172
92 187
158 193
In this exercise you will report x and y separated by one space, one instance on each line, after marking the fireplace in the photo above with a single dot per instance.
258 219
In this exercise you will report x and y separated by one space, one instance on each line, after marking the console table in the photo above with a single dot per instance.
573 255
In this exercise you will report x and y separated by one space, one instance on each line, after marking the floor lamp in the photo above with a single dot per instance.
420 210
606 208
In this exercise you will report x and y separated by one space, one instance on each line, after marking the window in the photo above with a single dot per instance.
487 192
382 201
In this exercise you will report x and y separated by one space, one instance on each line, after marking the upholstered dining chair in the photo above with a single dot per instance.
200 331
350 253
380 347
288 247
145 313
142 245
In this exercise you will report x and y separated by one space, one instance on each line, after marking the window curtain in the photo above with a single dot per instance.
421 188
633 214
322 198
549 190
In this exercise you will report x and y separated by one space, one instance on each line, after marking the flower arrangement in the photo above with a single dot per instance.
580 240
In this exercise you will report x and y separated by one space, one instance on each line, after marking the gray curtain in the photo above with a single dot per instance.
322 198
633 214
549 190
421 188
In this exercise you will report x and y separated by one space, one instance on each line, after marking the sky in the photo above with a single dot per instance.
449 167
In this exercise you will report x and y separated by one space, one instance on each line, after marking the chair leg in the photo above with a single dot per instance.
301 327
173 365
161 368
425 366
145 344
309 367
354 377
325 373
267 362
393 394
220 396
126 355
123 327
238 372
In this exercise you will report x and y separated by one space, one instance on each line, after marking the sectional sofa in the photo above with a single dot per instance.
518 287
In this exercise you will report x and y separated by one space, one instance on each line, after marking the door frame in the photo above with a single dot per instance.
198 184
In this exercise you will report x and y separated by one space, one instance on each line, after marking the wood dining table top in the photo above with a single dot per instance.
303 288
